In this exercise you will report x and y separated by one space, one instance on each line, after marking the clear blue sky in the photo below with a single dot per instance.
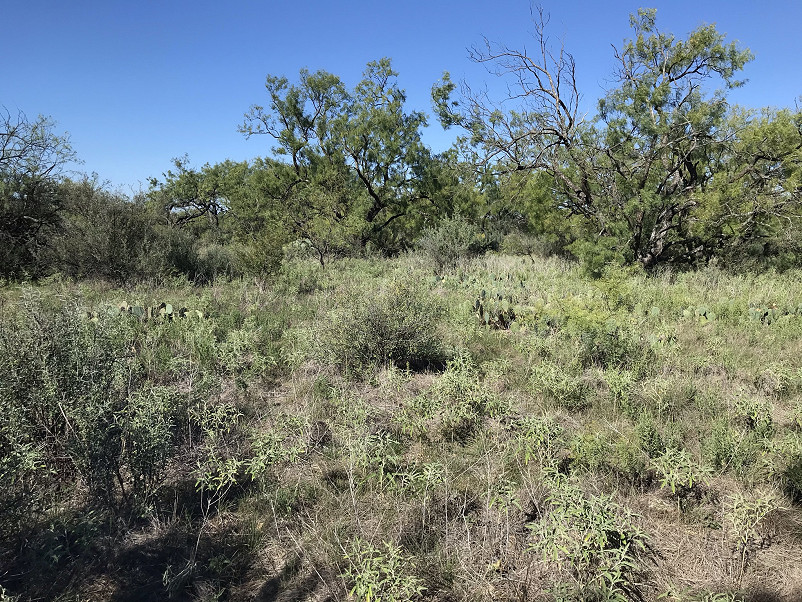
136 83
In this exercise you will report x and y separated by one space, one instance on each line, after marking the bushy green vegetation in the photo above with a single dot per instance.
666 172
395 324
360 431
525 369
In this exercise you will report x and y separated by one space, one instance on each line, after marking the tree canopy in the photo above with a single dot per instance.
354 157
645 176
665 171
32 159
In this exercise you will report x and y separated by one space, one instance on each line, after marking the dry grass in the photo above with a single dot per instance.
450 467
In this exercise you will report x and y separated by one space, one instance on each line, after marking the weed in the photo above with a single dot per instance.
590 450
537 437
755 414
679 473
745 514
649 437
620 384
607 343
274 446
464 398
398 324
452 240
720 447
630 461
560 386
380 575
594 536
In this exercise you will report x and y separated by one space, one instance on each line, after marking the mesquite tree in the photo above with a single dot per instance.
639 174
32 160
352 159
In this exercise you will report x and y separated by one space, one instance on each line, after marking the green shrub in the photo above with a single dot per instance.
460 398
380 574
271 447
531 245
596 256
745 514
610 344
77 407
451 240
213 261
590 450
620 384
396 324
63 380
721 446
299 277
679 473
755 414
596 538
464 398
786 464
650 439
629 461
537 437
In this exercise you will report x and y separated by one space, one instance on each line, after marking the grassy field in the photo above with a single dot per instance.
506 430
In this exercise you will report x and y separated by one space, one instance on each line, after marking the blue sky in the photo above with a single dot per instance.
136 83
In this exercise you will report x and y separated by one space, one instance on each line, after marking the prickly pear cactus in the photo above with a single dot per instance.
494 310
766 315
163 311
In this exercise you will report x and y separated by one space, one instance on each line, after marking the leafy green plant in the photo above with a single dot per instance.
75 406
151 437
745 514
720 446
611 345
240 354
272 447
452 239
220 466
785 464
630 461
590 450
380 575
755 414
537 438
595 537
648 435
463 396
679 473
378 460
620 385
459 397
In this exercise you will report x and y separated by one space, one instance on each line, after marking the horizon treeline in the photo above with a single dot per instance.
666 172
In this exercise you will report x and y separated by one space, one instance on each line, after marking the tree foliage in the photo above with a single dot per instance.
354 157
104 234
32 160
637 178
188 194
